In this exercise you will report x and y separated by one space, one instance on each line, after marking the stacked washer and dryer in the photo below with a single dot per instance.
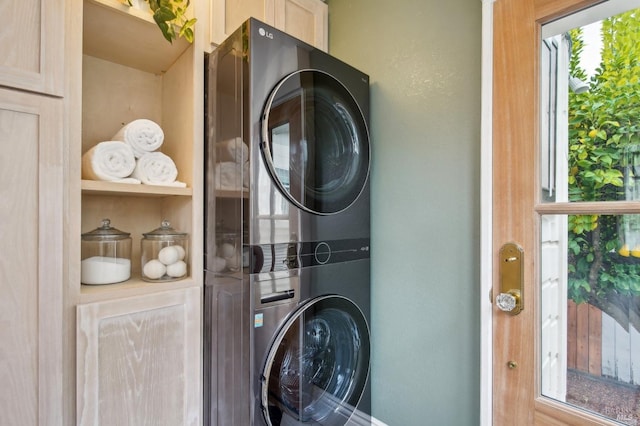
287 222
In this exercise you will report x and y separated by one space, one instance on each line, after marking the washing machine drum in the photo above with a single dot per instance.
317 367
315 142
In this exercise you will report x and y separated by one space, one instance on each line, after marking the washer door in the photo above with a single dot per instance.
318 364
316 142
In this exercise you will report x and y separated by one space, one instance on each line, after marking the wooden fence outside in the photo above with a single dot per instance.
597 345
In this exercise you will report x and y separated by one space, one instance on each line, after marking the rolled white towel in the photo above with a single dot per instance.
228 175
108 161
142 135
232 150
156 168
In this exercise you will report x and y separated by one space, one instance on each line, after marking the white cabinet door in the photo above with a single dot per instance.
32 46
31 259
138 360
304 19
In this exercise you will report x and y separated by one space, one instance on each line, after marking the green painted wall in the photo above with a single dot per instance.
423 57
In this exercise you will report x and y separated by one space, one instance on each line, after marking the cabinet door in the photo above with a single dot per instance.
226 16
303 19
32 45
138 360
31 273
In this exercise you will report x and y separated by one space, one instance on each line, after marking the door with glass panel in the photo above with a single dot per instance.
566 201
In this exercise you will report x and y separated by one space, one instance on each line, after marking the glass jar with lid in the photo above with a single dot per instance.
164 254
106 255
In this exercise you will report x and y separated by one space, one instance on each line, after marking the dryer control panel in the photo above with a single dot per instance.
286 256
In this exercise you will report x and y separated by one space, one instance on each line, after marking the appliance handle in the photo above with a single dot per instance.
274 297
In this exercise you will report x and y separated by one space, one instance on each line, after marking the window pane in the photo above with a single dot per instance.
590 111
590 313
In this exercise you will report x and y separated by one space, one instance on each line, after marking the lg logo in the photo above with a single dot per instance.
265 33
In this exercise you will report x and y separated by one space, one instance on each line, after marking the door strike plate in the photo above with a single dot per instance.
510 299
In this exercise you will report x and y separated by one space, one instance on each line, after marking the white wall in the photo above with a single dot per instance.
423 57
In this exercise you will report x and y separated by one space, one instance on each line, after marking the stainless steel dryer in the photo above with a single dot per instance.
287 224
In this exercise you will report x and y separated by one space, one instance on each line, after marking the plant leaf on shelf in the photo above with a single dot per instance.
167 13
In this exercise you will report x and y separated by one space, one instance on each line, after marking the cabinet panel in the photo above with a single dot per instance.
226 16
31 45
304 19
31 282
138 361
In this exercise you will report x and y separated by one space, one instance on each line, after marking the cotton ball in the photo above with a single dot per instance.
154 269
169 255
181 252
227 250
177 269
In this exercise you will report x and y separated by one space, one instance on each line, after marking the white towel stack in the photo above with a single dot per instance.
109 161
232 166
156 168
132 156
141 135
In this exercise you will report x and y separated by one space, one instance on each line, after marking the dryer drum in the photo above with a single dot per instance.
316 142
318 364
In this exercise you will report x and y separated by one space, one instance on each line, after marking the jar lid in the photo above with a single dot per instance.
105 232
165 230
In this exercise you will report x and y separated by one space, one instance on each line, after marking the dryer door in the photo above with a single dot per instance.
315 142
318 364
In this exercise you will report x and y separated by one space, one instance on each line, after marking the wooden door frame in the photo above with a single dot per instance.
503 92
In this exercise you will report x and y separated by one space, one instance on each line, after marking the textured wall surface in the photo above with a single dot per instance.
423 57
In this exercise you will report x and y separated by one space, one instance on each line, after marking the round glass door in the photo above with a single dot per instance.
316 142
318 364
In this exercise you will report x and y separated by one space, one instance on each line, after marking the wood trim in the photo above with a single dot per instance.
553 413
608 207
548 10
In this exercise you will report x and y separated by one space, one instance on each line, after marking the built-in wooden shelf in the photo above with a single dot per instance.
118 33
94 187
133 287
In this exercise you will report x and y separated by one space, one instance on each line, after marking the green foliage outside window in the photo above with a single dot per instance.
604 143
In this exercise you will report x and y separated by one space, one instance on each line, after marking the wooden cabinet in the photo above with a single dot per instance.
32 172
29 59
138 344
138 360
31 261
304 19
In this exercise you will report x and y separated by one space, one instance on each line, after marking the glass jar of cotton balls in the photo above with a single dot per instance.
164 254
